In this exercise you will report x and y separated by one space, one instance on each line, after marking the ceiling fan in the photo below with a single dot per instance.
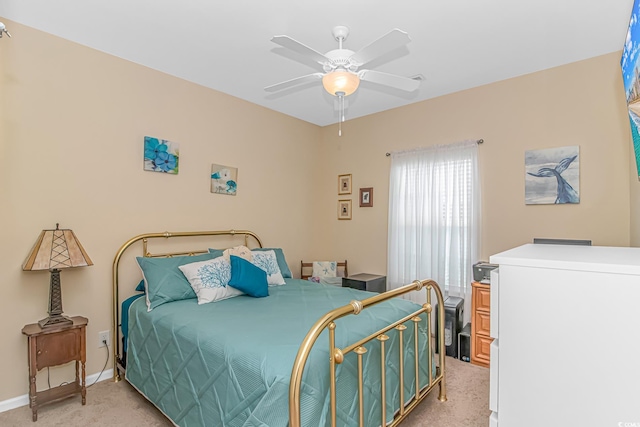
341 76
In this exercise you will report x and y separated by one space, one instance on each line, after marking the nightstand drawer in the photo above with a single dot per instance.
57 349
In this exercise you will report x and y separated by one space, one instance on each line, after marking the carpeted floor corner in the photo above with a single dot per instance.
118 404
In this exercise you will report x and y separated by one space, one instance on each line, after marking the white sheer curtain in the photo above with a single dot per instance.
434 218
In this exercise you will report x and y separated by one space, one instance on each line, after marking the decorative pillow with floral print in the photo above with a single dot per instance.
267 261
210 279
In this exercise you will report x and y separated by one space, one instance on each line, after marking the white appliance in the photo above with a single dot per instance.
567 348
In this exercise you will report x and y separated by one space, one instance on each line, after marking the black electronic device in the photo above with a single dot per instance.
453 315
464 343
577 242
482 271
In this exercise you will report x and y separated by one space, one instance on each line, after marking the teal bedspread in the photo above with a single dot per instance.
228 363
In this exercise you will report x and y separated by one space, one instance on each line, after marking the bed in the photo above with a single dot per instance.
308 354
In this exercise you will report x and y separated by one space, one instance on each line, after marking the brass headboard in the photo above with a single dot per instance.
145 252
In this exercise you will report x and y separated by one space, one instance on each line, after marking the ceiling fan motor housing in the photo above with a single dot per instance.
340 58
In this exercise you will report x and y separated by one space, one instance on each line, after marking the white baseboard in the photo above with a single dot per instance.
16 402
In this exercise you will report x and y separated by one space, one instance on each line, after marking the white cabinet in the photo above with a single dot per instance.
567 347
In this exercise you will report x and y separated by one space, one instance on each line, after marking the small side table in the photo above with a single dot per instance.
366 282
51 347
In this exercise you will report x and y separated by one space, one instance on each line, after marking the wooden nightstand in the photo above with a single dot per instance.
52 347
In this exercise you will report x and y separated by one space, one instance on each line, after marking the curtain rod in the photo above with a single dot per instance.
479 141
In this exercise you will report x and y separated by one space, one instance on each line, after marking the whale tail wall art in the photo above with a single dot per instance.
542 166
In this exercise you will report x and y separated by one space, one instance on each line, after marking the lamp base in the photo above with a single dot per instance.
56 318
55 321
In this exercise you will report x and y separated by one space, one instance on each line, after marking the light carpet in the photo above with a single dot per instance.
118 404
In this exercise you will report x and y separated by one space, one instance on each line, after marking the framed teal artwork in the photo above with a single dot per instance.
224 179
161 155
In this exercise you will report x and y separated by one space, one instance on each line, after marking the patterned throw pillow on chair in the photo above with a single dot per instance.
325 269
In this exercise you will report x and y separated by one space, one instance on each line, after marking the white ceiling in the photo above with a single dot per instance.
456 44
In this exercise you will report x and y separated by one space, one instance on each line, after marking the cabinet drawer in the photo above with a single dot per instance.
482 349
482 322
482 298
58 348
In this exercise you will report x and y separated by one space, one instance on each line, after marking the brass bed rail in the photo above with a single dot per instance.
117 362
336 355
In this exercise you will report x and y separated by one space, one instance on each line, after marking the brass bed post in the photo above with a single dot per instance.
429 308
360 351
442 396
401 329
332 370
383 382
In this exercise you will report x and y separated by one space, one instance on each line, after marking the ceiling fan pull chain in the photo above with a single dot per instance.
340 111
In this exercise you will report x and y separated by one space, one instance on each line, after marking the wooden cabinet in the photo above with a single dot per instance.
480 323
51 347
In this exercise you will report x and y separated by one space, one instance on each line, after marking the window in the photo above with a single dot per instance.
434 217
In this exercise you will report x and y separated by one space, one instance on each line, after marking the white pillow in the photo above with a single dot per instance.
240 251
210 279
325 268
267 261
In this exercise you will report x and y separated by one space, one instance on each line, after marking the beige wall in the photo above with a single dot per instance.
71 143
634 197
72 121
578 104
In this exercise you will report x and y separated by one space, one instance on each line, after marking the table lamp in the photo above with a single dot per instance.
54 250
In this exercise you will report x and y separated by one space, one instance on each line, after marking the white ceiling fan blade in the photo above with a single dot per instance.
392 40
294 82
391 80
296 46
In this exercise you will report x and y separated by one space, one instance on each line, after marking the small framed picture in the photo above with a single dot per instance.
344 209
224 179
161 155
366 197
344 184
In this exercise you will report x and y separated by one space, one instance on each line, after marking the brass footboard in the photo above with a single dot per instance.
336 355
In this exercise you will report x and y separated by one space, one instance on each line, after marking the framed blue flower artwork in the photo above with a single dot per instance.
224 179
161 155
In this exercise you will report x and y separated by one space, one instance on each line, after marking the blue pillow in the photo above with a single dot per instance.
140 287
164 281
248 278
216 252
282 262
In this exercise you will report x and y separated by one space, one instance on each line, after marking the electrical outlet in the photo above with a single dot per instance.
102 337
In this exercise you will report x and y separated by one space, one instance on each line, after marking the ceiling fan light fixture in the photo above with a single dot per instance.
340 82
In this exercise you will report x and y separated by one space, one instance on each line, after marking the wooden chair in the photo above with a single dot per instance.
306 269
